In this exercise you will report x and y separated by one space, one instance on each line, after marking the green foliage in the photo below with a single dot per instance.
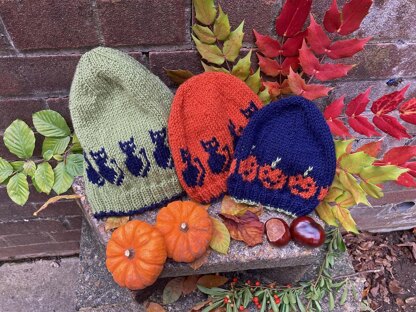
60 147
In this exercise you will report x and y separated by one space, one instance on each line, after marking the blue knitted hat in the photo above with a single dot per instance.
285 158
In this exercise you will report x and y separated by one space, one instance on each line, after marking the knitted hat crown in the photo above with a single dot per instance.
208 114
285 158
119 112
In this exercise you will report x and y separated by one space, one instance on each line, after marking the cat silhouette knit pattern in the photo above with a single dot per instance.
120 111
208 115
285 158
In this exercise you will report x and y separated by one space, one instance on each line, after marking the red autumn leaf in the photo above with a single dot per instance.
362 125
334 109
406 179
358 104
399 155
391 126
372 148
317 38
408 111
308 91
332 18
353 13
338 128
346 48
310 65
273 68
411 165
389 102
275 89
267 46
292 17
246 228
292 45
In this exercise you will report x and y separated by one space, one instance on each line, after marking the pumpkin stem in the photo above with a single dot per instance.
129 253
184 227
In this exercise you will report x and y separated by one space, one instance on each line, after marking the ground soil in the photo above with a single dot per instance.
390 262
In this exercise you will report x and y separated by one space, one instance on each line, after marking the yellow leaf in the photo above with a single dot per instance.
154 307
204 33
351 184
220 240
264 96
372 189
345 200
333 193
355 162
242 68
208 68
210 281
233 44
178 76
229 206
254 81
205 11
324 211
344 217
222 26
380 174
342 147
210 52
114 222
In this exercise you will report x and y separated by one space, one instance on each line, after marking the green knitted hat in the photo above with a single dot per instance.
119 111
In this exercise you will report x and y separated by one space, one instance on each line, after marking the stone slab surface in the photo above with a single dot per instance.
240 257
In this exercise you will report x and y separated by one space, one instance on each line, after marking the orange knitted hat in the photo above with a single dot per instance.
208 114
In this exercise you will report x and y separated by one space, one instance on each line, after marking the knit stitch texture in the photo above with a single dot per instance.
285 158
119 111
209 113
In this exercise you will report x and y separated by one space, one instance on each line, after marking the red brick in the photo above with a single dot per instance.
42 24
5 46
144 22
24 239
67 236
29 75
60 105
19 109
39 250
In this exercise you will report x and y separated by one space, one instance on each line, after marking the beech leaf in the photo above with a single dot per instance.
205 11
230 206
6 170
324 211
388 102
345 218
254 81
362 125
308 91
19 139
154 307
292 17
353 13
44 177
189 284
114 222
247 227
173 290
332 18
210 281
358 104
18 189
233 44
222 25
220 240
391 126
372 148
268 46
408 111
204 34
209 52
242 69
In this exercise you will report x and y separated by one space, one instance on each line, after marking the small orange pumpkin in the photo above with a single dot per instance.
272 178
248 168
304 187
187 229
136 254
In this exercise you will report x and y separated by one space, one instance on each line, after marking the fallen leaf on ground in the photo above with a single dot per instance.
154 307
220 240
114 222
189 284
246 228
200 261
212 280
395 288
230 206
173 290
200 305
412 245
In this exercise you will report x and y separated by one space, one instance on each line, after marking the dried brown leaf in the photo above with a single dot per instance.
173 290
230 206
395 288
200 261
189 285
154 307
212 280
114 222
200 305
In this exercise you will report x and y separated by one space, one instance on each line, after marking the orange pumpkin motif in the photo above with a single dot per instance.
322 193
136 254
304 187
187 229
248 168
272 178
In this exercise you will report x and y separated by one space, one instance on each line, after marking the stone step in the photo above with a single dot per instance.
98 292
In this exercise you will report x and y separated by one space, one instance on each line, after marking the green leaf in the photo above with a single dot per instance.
324 211
76 146
342 147
222 25
204 34
6 170
265 96
233 44
205 11
300 304
209 52
213 306
242 68
214 69
58 157
344 217
344 296
355 162
44 177
264 303
177 76
247 297
75 164
372 189
351 184
29 168
173 290
254 81
380 174
19 139
274 306
50 124
63 180
47 155
18 189
56 145
220 240
331 301
17 165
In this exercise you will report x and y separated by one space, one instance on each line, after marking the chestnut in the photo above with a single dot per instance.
307 231
277 232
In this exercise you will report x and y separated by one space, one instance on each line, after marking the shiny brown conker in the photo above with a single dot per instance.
307 231
277 231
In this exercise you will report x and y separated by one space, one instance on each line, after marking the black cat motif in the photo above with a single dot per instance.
219 160
107 168
161 153
250 110
194 172
92 175
137 163
234 132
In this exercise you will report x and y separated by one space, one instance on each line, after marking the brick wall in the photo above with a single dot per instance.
41 42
